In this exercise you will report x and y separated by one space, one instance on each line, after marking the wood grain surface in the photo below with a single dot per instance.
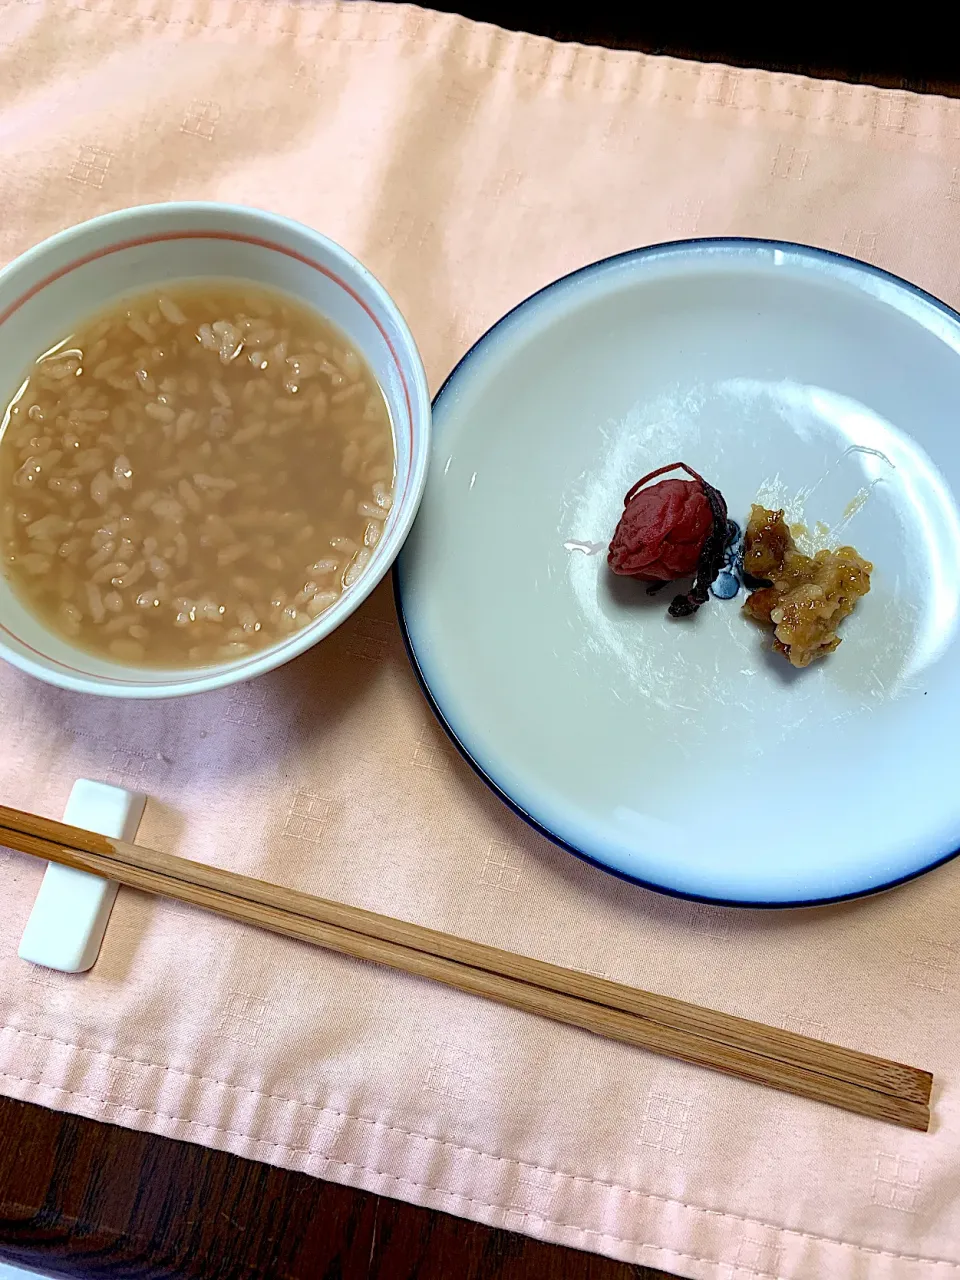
78 1198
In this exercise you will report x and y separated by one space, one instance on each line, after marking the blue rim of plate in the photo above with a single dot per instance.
653 251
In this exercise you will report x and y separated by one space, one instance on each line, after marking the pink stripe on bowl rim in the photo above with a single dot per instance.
237 237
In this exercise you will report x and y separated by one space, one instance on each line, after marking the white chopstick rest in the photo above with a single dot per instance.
70 914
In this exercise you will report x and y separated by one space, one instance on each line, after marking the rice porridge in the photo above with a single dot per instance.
193 475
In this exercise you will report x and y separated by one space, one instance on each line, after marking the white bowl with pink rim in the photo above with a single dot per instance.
77 272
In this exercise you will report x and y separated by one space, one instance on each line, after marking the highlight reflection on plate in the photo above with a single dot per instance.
685 754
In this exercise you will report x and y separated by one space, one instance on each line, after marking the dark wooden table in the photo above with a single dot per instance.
78 1198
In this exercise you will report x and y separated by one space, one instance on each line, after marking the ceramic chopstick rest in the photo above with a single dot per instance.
70 914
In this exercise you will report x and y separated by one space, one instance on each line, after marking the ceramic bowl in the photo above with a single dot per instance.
63 280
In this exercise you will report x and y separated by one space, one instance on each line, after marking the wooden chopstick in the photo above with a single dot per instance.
768 1055
754 1037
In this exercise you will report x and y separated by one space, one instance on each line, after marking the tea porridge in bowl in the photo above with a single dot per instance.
193 475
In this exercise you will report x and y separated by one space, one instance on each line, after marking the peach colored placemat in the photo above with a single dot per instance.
467 167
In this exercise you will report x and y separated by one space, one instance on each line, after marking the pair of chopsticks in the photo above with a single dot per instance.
780 1059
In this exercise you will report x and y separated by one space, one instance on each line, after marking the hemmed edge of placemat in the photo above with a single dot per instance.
891 116
713 1240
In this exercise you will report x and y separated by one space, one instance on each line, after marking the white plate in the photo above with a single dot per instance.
685 754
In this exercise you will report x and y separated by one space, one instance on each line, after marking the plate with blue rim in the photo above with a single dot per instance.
685 754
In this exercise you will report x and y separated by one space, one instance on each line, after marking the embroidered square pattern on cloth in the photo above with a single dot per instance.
467 167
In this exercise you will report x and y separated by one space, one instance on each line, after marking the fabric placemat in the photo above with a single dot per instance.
467 167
